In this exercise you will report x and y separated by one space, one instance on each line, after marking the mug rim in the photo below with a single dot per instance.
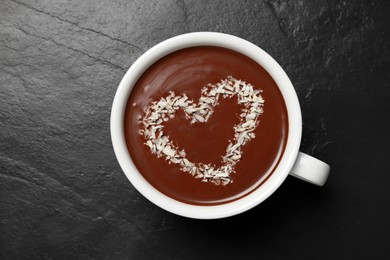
235 43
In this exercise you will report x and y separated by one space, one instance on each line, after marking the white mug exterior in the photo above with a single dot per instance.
282 170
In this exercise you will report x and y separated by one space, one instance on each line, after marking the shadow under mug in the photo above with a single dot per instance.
293 162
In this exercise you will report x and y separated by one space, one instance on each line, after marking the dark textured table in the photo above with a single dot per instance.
63 194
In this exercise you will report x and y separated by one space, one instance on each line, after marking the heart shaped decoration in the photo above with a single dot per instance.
162 110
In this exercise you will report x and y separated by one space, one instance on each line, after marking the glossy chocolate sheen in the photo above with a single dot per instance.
187 71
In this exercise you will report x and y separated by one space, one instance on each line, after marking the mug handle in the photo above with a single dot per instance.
310 169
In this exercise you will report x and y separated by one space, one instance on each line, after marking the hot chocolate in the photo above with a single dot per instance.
225 149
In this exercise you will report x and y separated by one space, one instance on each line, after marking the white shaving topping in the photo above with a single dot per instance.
160 111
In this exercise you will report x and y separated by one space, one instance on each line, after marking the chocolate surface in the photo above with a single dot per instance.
186 72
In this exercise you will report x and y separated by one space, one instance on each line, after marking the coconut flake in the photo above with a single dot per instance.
160 111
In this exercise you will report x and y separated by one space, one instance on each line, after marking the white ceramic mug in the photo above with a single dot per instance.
292 162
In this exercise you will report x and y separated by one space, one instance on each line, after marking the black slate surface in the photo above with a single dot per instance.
63 194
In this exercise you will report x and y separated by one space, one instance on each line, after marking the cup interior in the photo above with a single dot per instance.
206 39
